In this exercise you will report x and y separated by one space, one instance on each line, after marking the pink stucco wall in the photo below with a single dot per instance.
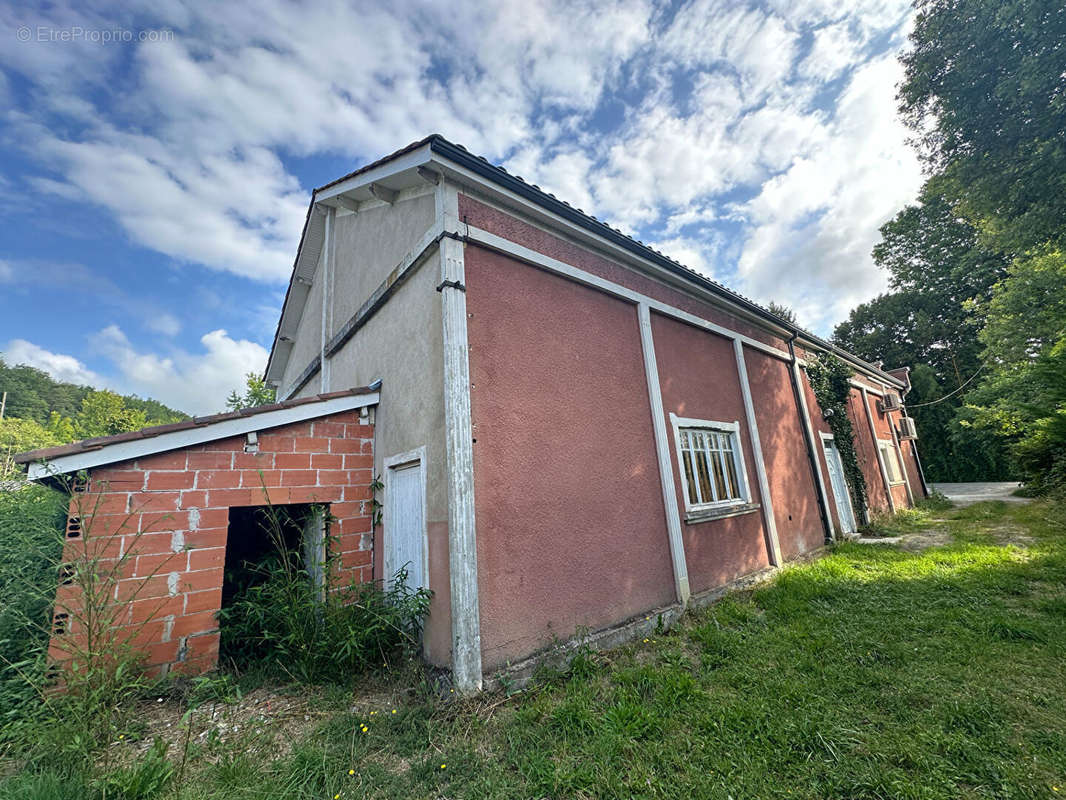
699 379
788 466
571 530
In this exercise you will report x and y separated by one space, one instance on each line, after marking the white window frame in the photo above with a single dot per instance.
891 461
731 428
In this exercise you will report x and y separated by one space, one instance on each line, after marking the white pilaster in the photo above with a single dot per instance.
774 546
462 539
662 450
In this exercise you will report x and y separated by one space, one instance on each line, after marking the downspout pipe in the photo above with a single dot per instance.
812 454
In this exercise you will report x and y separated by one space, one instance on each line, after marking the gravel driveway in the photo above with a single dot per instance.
964 494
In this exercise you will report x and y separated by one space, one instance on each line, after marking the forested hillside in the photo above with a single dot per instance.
42 412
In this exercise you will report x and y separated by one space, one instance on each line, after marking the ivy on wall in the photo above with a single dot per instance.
831 381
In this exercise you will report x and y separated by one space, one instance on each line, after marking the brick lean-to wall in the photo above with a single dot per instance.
169 514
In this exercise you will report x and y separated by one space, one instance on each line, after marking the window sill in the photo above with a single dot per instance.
709 514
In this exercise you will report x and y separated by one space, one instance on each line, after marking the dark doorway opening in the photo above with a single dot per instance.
275 556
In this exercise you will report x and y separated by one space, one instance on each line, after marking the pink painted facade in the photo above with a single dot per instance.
571 523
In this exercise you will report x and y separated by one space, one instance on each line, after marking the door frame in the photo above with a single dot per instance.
828 437
416 456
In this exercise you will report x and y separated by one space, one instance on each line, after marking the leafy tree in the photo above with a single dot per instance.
985 92
940 272
783 311
256 393
105 413
1023 399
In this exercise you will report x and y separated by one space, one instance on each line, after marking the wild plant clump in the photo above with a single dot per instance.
289 617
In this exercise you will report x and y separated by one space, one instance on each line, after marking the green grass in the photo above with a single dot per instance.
871 673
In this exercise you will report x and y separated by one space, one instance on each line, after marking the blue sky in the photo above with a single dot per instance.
156 159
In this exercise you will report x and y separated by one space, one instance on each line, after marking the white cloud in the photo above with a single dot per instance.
197 383
182 142
813 226
59 366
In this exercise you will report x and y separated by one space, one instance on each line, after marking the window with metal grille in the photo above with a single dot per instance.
712 465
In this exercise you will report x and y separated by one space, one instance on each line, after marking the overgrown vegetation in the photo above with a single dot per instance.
291 617
875 672
982 250
830 380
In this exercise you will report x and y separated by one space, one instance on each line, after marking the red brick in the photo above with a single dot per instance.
213 518
292 461
99 503
175 460
258 460
210 461
327 461
346 509
350 525
191 624
311 444
169 480
276 444
233 497
358 492
152 564
345 446
261 477
118 480
208 600
358 460
142 588
149 544
333 477
207 557
327 428
161 653
157 608
356 558
100 525
220 479
158 521
314 494
93 547
154 501
210 537
201 580
299 477
195 498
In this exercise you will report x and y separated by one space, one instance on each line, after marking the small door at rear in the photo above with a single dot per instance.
839 486
405 521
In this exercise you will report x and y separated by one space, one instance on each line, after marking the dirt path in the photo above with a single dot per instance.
966 494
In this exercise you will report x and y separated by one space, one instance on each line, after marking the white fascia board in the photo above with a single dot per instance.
224 429
413 160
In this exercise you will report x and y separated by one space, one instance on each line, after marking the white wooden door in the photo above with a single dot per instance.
840 486
405 519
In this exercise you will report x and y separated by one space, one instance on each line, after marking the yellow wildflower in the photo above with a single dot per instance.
443 766
351 772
